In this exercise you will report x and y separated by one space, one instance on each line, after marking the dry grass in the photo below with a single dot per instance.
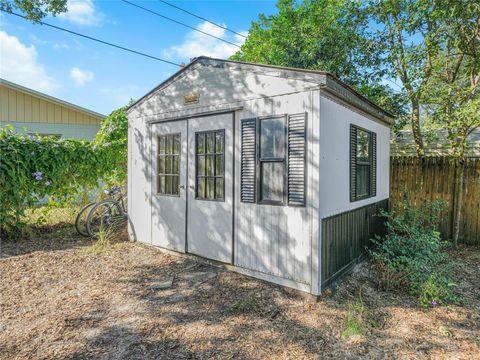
59 302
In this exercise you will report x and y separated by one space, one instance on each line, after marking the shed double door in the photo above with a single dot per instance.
192 191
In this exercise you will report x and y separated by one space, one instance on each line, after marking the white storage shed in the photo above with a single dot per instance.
277 172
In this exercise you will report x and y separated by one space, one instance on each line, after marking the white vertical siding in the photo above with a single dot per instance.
335 120
139 180
276 240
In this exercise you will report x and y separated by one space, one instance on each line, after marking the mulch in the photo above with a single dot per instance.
132 301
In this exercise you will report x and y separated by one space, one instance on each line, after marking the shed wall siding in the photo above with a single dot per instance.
335 120
139 181
273 240
277 240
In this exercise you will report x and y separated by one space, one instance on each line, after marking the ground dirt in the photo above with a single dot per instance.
132 301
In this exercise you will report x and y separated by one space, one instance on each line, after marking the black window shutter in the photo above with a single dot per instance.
353 163
297 159
248 160
373 172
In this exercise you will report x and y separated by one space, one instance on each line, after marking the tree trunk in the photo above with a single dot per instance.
417 134
457 201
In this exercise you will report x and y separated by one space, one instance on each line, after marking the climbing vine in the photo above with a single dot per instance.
56 171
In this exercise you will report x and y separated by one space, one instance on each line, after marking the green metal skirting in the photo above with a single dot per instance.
345 237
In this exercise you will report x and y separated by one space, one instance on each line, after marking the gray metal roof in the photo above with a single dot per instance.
50 98
326 81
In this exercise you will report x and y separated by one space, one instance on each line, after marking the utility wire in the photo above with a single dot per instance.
202 18
95 39
179 22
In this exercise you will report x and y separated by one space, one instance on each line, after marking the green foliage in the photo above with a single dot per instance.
35 10
412 254
113 134
327 35
33 168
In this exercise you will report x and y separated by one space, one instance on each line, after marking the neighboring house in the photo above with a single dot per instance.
436 143
36 112
277 172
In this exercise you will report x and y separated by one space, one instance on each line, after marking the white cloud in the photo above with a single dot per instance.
81 77
19 64
82 12
197 44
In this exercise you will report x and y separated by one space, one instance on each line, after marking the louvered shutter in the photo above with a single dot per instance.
248 160
373 172
353 163
297 159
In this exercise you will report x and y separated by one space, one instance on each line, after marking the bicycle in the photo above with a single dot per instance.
109 214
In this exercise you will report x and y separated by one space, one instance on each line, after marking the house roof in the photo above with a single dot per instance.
325 80
49 98
436 143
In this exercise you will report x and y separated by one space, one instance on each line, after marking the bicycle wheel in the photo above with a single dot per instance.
106 215
81 220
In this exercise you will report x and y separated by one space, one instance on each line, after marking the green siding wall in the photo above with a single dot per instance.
345 236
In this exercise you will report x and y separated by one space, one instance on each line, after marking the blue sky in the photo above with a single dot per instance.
101 78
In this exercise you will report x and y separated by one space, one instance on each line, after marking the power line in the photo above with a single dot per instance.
179 22
202 18
95 39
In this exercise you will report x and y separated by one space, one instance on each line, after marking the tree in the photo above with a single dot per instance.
35 10
406 30
452 95
328 35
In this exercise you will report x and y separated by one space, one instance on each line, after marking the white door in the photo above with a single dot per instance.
210 187
169 164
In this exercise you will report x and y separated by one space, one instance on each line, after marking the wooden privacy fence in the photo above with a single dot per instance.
433 178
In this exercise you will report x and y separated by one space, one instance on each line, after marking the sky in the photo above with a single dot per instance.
101 78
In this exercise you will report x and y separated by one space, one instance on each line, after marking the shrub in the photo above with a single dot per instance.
412 255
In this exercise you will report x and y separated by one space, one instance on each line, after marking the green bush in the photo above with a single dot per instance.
34 168
412 255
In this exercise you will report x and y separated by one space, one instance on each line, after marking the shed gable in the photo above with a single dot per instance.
217 85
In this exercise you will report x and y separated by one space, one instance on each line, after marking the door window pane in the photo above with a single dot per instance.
176 144
210 188
201 165
210 165
161 164
168 165
272 181
161 184
219 165
161 145
219 142
201 188
169 148
175 188
201 143
175 164
219 188
210 142
272 138
209 168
